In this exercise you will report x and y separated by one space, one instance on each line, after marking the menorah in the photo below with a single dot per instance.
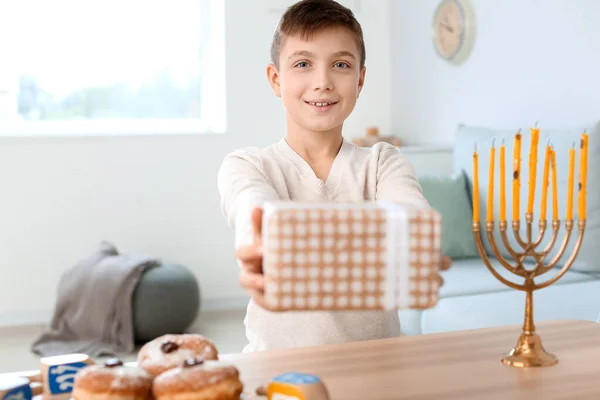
529 351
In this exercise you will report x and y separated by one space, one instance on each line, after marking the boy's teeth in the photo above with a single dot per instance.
320 104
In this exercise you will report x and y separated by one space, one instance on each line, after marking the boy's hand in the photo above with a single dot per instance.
445 265
251 257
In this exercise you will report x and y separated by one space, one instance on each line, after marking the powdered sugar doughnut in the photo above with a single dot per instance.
170 351
112 381
199 380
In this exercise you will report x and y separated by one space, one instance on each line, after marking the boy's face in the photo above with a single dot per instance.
318 80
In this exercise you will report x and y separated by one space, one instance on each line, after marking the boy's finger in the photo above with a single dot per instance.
252 281
440 281
248 253
253 266
257 215
446 263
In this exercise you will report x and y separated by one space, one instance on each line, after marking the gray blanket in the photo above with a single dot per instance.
93 312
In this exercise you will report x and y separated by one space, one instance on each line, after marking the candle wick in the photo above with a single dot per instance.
519 130
536 123
493 141
585 131
502 141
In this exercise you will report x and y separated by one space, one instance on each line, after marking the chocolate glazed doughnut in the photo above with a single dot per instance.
170 351
112 381
199 380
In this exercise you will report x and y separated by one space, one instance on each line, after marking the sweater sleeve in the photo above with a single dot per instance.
397 180
242 187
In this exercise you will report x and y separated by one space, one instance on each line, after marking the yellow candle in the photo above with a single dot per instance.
581 195
502 184
570 183
554 186
533 151
580 182
585 175
516 176
475 188
490 204
545 184
585 153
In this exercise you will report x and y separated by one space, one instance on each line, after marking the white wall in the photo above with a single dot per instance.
532 60
61 196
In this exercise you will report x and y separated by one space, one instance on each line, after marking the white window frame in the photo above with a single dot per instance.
213 110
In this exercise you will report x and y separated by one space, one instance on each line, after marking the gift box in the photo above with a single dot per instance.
359 256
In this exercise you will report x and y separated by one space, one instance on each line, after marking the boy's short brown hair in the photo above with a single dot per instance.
306 17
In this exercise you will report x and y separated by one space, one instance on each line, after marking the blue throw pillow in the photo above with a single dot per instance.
450 197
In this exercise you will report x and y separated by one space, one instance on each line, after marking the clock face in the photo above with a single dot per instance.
453 29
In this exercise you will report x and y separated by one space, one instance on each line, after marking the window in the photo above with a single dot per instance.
112 66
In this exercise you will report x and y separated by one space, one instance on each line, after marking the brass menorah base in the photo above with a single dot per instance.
529 351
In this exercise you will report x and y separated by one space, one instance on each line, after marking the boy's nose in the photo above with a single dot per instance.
323 81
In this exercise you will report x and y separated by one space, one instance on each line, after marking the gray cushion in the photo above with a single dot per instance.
166 300
449 195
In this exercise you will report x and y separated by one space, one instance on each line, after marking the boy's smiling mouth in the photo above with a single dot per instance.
321 105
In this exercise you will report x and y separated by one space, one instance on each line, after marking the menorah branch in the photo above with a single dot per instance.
568 230
567 265
528 222
555 230
506 242
516 226
528 243
486 261
513 253
518 269
542 227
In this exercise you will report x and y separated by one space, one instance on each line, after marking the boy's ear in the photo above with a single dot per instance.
273 76
361 80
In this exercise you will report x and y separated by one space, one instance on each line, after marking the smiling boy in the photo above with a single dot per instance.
318 70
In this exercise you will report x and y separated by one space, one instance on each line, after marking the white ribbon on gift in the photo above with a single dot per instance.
398 256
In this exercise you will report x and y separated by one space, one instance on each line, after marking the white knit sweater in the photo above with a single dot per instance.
249 177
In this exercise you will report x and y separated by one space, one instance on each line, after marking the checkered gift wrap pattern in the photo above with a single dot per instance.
365 256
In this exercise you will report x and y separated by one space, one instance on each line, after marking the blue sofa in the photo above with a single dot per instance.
471 296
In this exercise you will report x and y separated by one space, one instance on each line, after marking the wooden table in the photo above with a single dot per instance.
457 365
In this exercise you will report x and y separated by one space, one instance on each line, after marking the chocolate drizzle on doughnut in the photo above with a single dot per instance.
167 346
191 362
113 362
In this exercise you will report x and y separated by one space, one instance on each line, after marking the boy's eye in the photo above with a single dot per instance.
301 64
342 64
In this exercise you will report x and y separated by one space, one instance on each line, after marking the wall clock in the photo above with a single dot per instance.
454 30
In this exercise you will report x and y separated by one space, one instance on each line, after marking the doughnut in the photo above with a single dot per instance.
170 351
198 379
112 381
